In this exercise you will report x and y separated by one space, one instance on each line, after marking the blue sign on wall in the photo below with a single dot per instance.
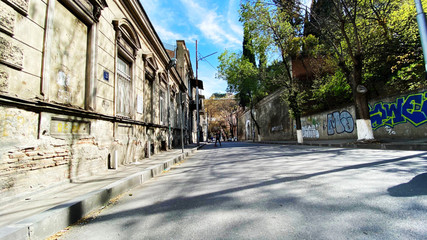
106 75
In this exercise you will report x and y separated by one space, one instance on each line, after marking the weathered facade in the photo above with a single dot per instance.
85 86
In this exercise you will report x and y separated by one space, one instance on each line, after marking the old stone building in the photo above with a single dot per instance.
85 86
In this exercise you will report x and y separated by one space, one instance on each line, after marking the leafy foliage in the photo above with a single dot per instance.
385 35
241 76
220 108
330 91
276 28
341 44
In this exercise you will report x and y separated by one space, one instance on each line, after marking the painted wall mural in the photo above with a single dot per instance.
404 109
340 122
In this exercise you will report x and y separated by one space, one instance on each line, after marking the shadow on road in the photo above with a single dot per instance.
416 187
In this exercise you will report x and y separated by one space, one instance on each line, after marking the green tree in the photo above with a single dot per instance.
374 44
274 27
242 78
404 65
220 108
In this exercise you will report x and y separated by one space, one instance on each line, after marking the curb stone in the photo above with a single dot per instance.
383 146
49 222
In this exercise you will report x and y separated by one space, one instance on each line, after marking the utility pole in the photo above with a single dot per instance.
422 27
197 97
197 91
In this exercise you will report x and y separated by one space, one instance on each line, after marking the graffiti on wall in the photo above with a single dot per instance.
310 131
340 122
60 127
310 128
15 123
404 109
389 130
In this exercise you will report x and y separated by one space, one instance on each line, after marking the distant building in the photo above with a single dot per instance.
85 86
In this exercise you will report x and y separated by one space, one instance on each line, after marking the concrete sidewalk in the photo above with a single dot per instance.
42 214
390 144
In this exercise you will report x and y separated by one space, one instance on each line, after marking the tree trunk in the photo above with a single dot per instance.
300 138
293 104
363 121
256 123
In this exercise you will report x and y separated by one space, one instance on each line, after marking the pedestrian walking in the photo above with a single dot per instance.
218 138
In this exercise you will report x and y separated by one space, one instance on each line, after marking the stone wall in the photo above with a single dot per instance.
272 115
403 116
274 120
334 124
33 165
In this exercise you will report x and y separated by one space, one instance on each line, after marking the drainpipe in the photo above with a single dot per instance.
169 120
181 106
422 27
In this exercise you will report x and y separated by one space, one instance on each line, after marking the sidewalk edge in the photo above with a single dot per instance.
381 146
51 221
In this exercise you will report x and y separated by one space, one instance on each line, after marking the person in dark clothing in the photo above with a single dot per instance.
218 138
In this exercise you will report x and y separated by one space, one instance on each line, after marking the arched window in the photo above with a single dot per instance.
127 45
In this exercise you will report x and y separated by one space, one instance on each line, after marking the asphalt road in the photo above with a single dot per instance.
252 191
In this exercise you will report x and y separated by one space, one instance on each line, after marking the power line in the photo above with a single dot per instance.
204 59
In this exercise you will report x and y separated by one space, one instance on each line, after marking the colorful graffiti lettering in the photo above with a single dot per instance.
340 122
404 109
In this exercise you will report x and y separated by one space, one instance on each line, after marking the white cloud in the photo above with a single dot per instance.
214 23
212 85
211 24
233 17
221 30
170 37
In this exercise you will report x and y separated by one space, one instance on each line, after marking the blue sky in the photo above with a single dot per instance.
213 23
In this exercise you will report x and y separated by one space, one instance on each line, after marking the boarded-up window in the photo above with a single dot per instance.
124 88
68 58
